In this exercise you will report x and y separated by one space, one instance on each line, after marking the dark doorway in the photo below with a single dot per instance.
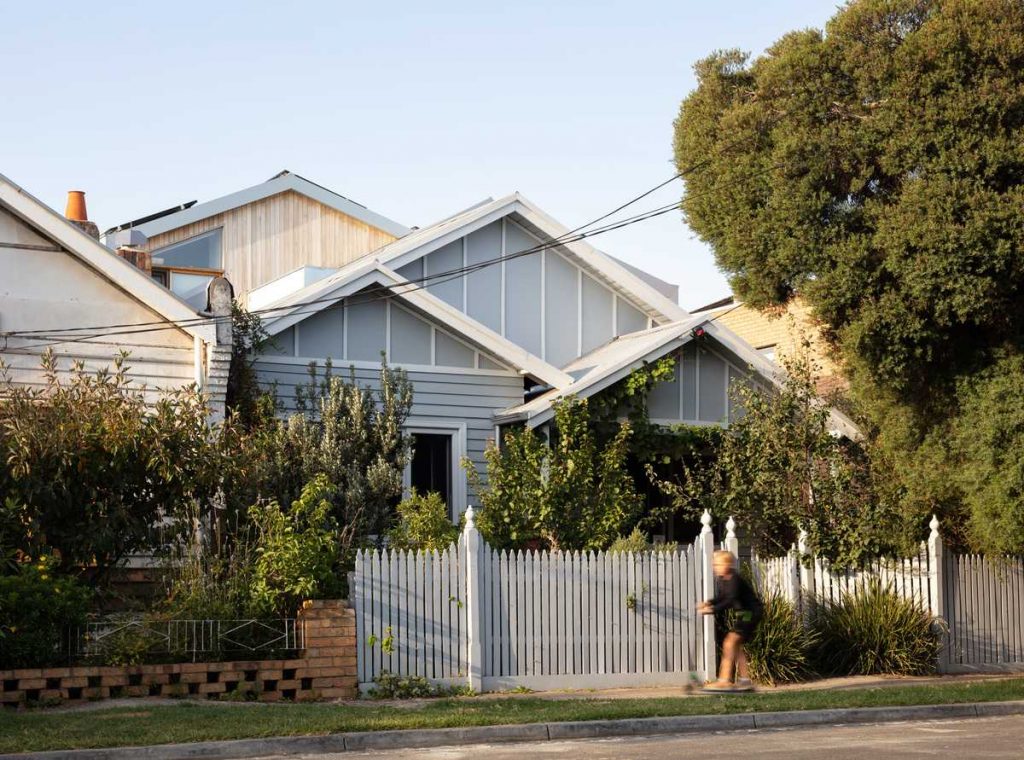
431 467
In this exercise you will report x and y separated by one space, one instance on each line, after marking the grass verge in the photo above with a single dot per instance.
34 730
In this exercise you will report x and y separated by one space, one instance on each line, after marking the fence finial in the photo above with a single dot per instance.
934 525
801 542
730 528
705 521
470 518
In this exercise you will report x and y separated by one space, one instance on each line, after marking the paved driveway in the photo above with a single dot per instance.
973 738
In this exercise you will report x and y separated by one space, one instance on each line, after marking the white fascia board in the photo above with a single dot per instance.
300 305
103 261
264 190
613 373
402 252
626 280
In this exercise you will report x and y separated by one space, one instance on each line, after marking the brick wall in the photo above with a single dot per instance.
326 669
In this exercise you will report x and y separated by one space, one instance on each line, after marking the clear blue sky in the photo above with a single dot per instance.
414 109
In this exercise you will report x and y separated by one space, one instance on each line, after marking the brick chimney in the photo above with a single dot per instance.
78 216
137 257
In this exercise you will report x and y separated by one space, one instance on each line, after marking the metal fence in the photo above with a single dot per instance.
125 637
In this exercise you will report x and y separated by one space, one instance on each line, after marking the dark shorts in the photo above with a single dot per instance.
745 625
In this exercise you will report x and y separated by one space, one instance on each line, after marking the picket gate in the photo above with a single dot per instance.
500 620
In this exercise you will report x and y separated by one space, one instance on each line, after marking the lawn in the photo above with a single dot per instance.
44 729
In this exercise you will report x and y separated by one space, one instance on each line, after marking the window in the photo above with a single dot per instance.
438 449
188 267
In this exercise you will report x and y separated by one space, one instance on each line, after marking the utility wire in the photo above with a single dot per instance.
571 236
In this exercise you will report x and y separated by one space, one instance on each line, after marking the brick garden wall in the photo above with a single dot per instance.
326 669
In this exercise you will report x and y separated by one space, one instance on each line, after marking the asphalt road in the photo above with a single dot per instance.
972 738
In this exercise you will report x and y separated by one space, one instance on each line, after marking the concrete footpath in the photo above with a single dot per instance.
533 732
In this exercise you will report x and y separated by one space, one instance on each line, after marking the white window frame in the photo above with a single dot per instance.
457 431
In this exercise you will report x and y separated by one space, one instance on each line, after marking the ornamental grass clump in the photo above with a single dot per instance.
874 631
781 650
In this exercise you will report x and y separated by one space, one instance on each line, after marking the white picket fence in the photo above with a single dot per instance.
497 620
978 601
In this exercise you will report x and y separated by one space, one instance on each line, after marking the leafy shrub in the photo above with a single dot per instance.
573 493
37 606
298 550
423 524
390 686
636 541
874 631
782 648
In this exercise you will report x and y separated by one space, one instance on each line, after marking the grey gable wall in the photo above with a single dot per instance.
700 390
362 329
541 301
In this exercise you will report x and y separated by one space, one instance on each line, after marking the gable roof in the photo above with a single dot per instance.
358 275
104 262
621 356
279 183
419 243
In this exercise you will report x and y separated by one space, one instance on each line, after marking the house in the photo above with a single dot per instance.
61 289
779 334
495 313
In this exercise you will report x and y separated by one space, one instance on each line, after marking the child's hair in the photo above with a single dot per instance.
723 554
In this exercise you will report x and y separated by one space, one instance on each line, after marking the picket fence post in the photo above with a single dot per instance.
472 545
806 570
731 543
937 581
707 554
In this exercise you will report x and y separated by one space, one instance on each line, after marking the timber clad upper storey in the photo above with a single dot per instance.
257 235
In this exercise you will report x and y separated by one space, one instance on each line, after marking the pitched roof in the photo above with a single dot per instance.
358 275
279 183
621 356
97 257
420 242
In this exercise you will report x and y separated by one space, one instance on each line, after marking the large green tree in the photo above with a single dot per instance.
877 168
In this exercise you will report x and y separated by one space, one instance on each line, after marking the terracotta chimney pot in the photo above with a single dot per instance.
75 210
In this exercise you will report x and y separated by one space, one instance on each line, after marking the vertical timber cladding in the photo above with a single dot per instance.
269 238
542 301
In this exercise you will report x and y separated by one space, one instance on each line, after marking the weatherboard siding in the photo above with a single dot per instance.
470 398
42 287
271 237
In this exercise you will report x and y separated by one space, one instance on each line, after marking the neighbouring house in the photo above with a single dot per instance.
60 289
779 334
493 314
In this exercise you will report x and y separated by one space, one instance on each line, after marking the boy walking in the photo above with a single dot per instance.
732 592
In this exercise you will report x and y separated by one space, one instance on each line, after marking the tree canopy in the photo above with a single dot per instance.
877 168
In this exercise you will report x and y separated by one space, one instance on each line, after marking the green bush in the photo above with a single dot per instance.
781 650
390 686
872 632
637 542
423 524
298 550
37 606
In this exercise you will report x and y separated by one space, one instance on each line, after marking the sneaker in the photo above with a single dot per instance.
744 683
718 686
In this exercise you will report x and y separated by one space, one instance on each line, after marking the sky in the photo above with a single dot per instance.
416 110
